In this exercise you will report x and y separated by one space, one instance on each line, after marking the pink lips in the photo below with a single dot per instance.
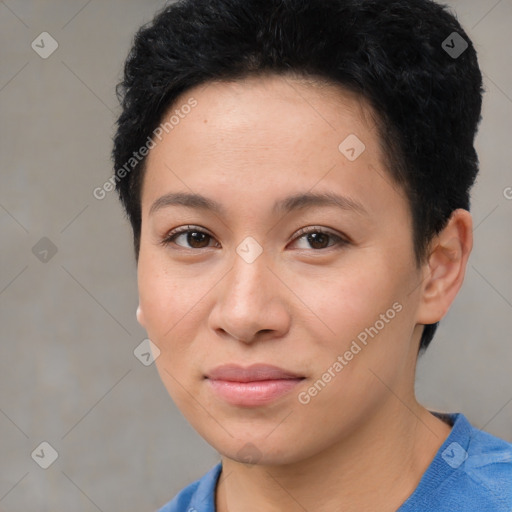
256 385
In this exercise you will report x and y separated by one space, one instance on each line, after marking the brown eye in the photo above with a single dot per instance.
195 238
318 239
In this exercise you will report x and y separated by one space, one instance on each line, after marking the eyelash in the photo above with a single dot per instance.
300 234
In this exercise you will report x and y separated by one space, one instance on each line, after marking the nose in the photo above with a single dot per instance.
251 303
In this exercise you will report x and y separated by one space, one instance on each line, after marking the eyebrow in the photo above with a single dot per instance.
295 202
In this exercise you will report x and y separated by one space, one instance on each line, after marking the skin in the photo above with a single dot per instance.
363 441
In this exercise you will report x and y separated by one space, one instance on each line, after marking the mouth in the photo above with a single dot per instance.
256 385
253 373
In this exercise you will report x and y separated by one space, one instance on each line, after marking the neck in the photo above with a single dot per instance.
376 467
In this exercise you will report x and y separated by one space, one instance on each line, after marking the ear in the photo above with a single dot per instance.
140 316
446 267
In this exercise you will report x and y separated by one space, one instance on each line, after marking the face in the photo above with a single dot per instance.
276 274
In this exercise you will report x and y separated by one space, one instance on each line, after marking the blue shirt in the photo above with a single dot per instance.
471 472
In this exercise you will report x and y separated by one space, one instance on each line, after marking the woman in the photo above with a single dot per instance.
297 177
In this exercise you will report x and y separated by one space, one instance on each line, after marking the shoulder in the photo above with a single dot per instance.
199 496
472 472
489 465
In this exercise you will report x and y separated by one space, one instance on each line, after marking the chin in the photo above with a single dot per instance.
256 449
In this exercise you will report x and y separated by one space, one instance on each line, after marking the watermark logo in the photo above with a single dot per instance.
44 45
352 147
249 454
454 45
454 455
249 249
44 455
44 250
146 352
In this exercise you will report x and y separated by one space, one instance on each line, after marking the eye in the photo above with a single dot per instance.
197 238
317 238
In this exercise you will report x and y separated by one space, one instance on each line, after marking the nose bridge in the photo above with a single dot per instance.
248 301
249 275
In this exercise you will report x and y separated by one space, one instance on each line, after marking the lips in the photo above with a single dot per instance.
254 373
254 386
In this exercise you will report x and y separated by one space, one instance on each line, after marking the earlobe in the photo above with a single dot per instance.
446 267
140 316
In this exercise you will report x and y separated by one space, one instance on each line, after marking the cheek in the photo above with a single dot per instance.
167 303
172 300
360 311
164 296
349 298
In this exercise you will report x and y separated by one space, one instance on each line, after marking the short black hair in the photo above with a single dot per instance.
401 57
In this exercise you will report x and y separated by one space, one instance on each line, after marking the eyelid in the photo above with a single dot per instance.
318 229
181 230
342 239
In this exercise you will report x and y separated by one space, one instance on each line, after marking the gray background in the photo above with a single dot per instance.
68 374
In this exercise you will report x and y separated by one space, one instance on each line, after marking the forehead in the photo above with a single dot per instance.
260 105
266 135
